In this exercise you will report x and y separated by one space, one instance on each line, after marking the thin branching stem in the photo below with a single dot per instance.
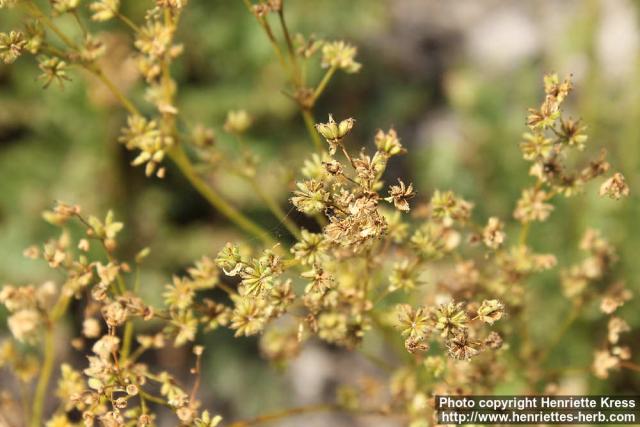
177 154
277 211
49 352
324 82
44 377
128 22
262 419
179 157
310 124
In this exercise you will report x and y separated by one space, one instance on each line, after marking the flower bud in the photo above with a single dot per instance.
237 122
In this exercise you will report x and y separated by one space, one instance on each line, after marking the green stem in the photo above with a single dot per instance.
377 360
323 83
114 89
276 209
126 342
128 22
267 29
274 43
35 11
83 28
310 123
154 399
49 352
297 77
185 166
571 318
524 233
178 155
284 414
45 376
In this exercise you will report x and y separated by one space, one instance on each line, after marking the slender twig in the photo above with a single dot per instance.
83 28
177 155
49 352
310 123
524 233
566 325
324 82
274 43
630 365
198 374
154 399
126 341
285 414
277 211
128 22
45 376
36 12
297 76
271 203
346 154
376 360
185 166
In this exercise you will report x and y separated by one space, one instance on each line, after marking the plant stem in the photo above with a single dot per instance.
297 77
376 360
34 10
274 43
154 399
178 155
277 211
346 154
630 365
571 318
184 165
45 376
83 28
126 342
310 123
524 233
267 29
49 352
128 22
126 103
323 83
284 414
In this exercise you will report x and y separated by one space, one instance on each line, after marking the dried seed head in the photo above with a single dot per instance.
493 235
389 143
400 195
615 187
334 132
493 341
490 311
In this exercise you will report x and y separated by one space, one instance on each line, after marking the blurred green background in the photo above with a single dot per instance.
454 78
